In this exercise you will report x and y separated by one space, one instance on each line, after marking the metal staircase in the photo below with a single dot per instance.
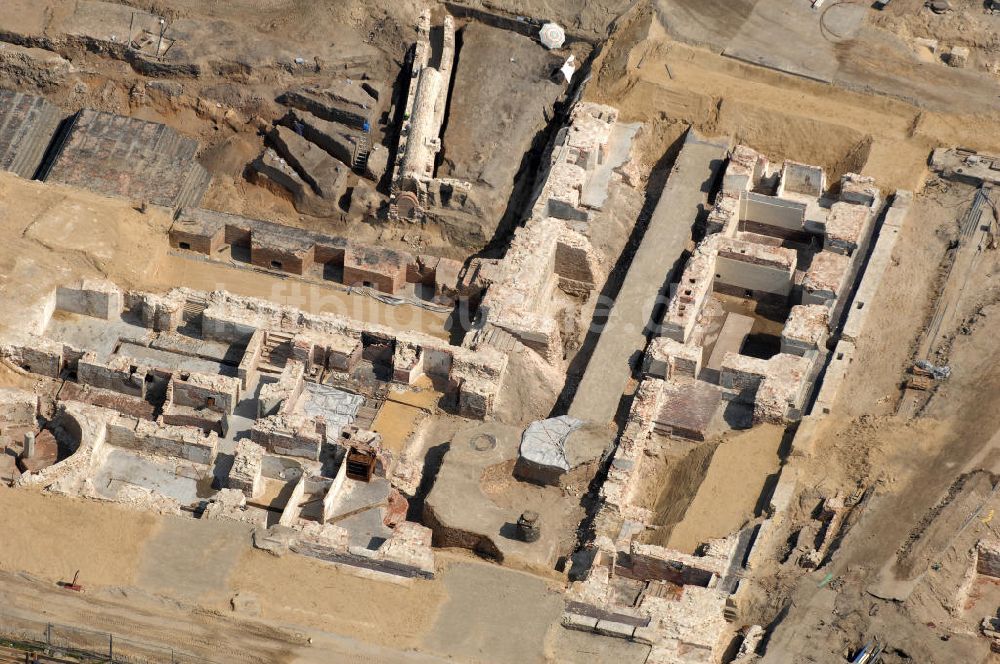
361 153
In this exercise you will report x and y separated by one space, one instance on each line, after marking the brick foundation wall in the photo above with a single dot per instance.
287 262
647 568
387 282
329 253
203 244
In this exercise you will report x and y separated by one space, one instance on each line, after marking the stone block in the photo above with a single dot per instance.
338 140
959 57
579 622
197 390
666 358
246 473
806 329
802 179
377 164
326 176
343 101
615 629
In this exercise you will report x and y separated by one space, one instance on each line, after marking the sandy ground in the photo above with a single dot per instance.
911 464
59 235
193 560
905 296
201 563
728 495
396 422
476 612
300 590
146 576
652 79
104 543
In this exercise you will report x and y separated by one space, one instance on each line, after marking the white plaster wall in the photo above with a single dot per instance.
751 276
293 509
772 211
47 307
332 496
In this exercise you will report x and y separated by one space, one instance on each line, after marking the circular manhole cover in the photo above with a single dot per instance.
483 442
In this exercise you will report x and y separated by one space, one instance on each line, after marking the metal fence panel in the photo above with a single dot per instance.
90 645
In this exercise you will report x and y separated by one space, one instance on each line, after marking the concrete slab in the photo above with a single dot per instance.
98 335
360 509
183 481
209 350
595 191
495 615
162 359
475 501
792 37
669 230
734 332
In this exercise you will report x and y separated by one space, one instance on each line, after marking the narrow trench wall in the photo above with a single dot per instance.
680 477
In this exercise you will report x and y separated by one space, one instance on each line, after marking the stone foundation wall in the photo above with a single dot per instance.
280 397
197 390
297 436
17 407
165 440
118 375
247 370
476 373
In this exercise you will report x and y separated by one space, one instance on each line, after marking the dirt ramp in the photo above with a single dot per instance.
837 148
671 485
967 498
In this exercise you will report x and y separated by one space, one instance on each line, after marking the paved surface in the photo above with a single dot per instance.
494 615
624 335
844 50
595 193
500 616
776 34
337 406
191 559
98 335
160 629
